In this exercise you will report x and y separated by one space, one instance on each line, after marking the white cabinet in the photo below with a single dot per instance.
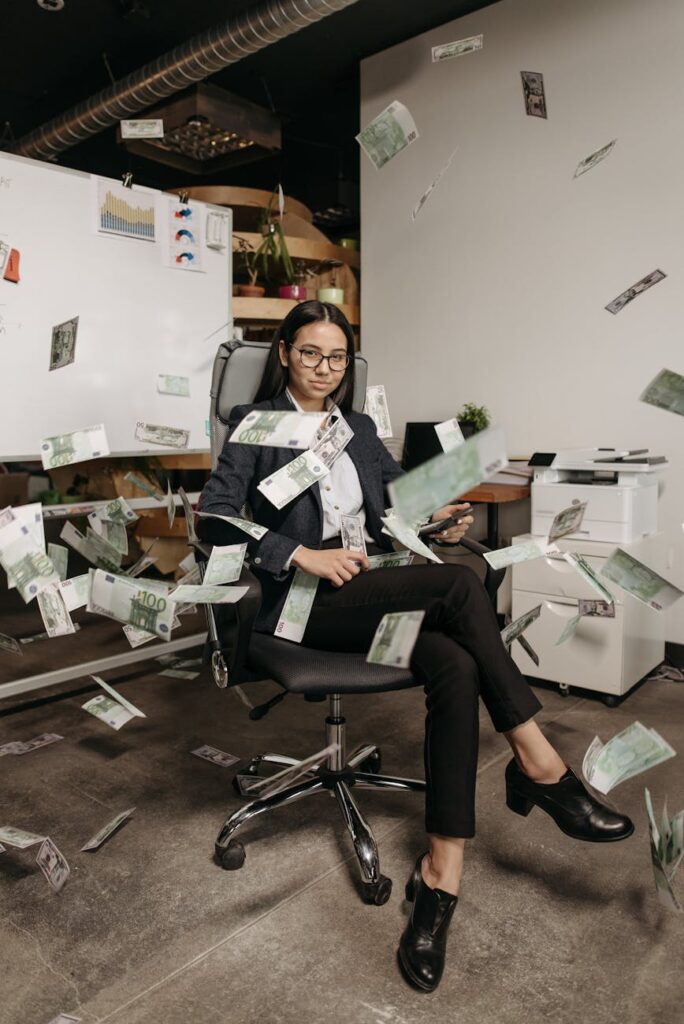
606 655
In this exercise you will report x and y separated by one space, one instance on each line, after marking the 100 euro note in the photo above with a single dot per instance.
630 752
407 536
86 547
387 134
395 638
278 428
526 551
79 446
116 511
390 559
129 600
292 479
253 529
638 580
445 477
584 569
297 608
25 563
665 391
225 564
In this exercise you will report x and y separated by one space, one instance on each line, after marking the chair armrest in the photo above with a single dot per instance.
230 625
493 577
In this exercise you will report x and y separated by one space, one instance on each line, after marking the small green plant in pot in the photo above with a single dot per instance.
246 261
473 418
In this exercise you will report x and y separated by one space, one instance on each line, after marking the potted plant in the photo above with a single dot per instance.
330 293
473 418
273 253
246 259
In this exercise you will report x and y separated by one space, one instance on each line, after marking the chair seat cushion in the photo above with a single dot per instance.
305 670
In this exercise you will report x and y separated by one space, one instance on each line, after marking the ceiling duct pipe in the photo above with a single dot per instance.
203 55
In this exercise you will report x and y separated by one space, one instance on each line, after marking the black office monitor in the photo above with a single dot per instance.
420 444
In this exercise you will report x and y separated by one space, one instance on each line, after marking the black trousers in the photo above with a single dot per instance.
458 657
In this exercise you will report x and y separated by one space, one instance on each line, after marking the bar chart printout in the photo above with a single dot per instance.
124 211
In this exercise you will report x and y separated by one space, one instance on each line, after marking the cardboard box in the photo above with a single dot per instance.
13 489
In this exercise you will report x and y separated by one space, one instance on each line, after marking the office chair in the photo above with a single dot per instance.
238 655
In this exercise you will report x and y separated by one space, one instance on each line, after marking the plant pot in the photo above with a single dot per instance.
468 428
334 295
292 291
251 291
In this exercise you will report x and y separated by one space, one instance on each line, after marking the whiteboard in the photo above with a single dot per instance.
140 313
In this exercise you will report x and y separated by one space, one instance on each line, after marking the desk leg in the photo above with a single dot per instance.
493 525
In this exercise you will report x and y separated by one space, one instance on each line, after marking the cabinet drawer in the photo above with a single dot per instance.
591 659
557 578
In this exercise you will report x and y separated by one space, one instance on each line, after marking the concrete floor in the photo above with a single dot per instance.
149 929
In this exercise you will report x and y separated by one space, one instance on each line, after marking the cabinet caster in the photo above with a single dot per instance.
373 763
564 689
231 857
377 893
610 701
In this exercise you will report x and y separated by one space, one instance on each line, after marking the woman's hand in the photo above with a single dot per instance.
338 565
458 530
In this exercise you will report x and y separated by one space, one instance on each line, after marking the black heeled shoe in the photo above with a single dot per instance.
422 947
575 810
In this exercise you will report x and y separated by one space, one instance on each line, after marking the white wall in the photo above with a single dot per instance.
496 293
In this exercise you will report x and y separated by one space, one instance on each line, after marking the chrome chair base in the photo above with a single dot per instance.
338 779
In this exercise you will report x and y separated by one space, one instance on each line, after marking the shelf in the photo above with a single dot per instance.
273 310
309 250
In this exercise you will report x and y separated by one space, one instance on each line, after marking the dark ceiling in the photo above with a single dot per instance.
53 59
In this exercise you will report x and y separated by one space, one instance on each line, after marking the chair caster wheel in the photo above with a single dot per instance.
378 892
373 763
231 857
610 701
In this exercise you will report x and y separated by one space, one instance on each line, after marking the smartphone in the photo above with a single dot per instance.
444 524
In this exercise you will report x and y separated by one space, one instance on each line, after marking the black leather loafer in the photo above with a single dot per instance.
422 947
574 809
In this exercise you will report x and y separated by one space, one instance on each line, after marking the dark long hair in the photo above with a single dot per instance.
275 375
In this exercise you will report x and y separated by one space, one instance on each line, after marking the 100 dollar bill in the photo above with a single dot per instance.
456 49
168 437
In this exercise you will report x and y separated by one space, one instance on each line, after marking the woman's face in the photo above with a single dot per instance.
312 385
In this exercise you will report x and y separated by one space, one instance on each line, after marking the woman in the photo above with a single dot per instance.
458 656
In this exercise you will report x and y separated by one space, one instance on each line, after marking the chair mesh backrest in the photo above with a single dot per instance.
238 368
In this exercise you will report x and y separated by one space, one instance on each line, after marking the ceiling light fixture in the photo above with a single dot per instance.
208 129
51 5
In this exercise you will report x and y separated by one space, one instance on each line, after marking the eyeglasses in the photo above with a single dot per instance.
310 358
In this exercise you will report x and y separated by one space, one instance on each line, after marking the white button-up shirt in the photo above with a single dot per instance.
340 490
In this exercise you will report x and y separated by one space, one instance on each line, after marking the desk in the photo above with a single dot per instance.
493 495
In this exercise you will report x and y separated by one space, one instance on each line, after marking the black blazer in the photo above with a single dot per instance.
241 467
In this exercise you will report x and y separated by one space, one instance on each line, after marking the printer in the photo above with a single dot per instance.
620 487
